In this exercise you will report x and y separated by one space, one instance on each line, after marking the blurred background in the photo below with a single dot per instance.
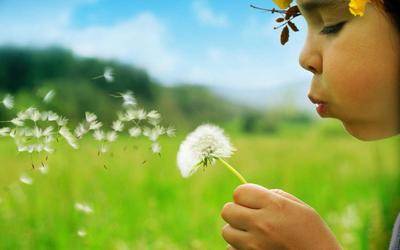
194 61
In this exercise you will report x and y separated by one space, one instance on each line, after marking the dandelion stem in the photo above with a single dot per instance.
234 171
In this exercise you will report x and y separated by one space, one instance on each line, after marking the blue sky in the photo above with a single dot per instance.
217 43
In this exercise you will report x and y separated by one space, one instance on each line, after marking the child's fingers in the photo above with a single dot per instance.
237 216
235 237
287 195
253 196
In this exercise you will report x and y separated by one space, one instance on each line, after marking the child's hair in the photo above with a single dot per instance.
389 7
392 7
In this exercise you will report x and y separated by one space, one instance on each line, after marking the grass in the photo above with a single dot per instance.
141 202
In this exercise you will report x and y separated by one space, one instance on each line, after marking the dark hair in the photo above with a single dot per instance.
392 7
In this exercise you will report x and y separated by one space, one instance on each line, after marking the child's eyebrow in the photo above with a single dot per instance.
311 5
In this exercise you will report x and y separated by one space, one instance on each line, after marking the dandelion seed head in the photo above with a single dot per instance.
203 146
8 101
26 179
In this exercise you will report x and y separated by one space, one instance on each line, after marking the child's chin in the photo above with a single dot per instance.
365 133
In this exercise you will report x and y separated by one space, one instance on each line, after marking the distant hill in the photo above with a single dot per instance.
27 73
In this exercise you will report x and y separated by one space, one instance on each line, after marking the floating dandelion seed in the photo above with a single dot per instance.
202 148
4 131
128 99
99 135
90 117
135 131
83 207
26 179
49 96
108 75
8 101
81 233
44 169
156 148
117 126
170 131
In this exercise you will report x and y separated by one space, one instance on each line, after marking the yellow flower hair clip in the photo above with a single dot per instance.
356 7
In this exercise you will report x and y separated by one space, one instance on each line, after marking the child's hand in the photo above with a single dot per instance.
272 219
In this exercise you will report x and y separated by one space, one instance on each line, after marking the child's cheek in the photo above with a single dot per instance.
355 74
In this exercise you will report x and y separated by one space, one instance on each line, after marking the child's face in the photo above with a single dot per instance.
356 67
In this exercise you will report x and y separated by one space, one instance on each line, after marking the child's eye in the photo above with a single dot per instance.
332 29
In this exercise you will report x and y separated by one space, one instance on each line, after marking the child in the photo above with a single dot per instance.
355 61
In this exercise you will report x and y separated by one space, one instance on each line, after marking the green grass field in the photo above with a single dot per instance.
141 202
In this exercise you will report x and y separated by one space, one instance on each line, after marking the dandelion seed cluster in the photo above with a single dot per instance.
34 130
201 148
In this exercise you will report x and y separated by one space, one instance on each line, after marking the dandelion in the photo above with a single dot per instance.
49 96
83 207
4 131
202 148
8 101
108 75
26 179
81 233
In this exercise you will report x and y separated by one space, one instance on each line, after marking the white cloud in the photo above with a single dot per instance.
143 40
207 16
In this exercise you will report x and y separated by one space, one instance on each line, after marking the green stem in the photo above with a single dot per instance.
234 171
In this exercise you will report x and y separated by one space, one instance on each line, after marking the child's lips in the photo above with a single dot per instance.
322 109
321 106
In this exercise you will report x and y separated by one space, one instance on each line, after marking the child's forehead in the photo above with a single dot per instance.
312 5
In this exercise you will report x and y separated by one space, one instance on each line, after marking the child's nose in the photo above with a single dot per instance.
310 59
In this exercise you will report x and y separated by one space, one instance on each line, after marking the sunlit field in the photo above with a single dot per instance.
140 201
